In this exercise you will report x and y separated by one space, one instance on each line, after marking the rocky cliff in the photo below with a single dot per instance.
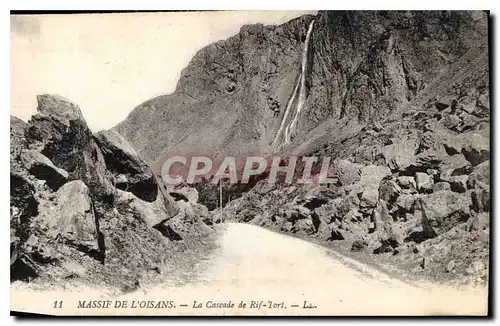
86 207
361 66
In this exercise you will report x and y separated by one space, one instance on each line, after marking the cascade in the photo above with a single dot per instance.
300 90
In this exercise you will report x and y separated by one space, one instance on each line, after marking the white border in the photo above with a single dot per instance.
203 5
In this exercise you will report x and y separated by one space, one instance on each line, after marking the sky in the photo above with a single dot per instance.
110 63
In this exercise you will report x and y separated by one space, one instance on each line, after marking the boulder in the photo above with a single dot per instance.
381 215
73 217
479 182
389 191
347 172
443 210
480 174
406 203
371 176
151 213
399 155
451 121
303 226
296 213
467 105
43 169
480 222
185 193
130 171
390 237
454 165
407 183
359 245
193 211
450 267
482 106
429 159
443 102
335 235
23 207
474 145
59 132
440 186
286 227
458 183
424 182
480 196
92 171
336 209
469 122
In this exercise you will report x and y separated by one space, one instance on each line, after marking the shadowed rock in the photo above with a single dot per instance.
130 172
42 168
443 210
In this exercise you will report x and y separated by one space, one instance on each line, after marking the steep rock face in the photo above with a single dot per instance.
67 216
362 66
60 133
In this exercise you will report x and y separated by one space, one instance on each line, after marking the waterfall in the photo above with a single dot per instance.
299 88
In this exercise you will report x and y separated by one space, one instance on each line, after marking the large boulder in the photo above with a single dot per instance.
479 223
443 210
480 174
304 227
185 194
407 183
130 172
73 218
59 130
381 215
390 237
371 176
389 191
429 159
479 182
296 213
60 133
151 213
400 154
42 168
474 145
424 182
347 172
406 203
480 196
454 165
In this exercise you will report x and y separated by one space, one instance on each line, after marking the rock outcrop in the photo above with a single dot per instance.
84 206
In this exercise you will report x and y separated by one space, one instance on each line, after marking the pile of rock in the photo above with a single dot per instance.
429 189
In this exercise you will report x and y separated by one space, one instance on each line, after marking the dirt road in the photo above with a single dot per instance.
255 261
274 274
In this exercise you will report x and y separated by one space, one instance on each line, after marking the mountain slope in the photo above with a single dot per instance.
362 66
